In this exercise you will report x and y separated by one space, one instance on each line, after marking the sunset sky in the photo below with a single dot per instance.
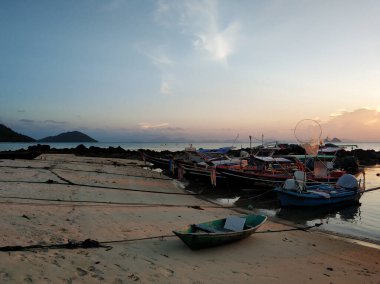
137 70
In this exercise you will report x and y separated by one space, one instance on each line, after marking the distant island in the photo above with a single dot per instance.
8 135
334 140
73 136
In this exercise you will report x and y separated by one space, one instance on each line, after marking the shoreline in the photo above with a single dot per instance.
347 237
364 157
264 257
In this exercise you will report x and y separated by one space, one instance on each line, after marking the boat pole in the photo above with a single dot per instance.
250 143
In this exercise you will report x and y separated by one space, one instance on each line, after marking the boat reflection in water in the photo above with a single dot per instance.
334 218
347 213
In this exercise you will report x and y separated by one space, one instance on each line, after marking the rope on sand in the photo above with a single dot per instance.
101 187
90 203
88 243
79 170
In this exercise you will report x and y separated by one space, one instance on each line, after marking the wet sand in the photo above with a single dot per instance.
47 200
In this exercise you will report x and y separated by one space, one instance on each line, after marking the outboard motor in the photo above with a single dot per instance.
348 181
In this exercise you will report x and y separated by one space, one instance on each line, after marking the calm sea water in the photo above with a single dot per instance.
358 221
171 146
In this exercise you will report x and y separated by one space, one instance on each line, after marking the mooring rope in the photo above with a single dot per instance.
96 172
101 187
102 203
258 195
88 243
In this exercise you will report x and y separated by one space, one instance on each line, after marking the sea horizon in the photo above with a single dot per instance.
173 146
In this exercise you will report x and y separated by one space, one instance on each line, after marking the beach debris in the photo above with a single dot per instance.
25 216
88 243
196 207
81 271
133 277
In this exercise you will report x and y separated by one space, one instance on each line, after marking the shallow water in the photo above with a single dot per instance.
359 221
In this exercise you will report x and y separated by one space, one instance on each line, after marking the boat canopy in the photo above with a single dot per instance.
330 149
272 159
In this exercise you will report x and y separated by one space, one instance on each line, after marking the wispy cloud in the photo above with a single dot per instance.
200 21
166 88
201 30
218 44
338 112
148 125
113 5
56 122
159 58
24 120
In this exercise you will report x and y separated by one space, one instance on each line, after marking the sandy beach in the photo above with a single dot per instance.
57 198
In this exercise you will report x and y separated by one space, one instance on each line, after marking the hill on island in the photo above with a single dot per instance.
73 136
8 135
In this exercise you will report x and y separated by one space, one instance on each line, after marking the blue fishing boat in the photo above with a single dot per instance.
295 192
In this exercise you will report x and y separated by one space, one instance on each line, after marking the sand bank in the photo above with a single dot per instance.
129 202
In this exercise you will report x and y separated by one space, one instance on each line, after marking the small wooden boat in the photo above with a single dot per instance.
221 231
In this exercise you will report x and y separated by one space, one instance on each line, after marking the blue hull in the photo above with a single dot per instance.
308 199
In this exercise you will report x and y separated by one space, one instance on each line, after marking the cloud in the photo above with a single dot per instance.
338 112
158 57
42 123
358 125
175 129
56 122
199 20
147 125
166 88
27 120
218 44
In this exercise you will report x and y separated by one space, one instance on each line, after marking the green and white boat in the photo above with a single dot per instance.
221 231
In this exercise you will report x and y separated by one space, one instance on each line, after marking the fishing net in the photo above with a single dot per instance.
308 133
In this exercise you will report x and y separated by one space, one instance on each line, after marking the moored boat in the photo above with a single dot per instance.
202 163
221 231
296 193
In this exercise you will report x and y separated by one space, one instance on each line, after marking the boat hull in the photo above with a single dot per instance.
299 199
266 179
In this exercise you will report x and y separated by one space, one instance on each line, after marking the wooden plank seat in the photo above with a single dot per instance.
208 229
